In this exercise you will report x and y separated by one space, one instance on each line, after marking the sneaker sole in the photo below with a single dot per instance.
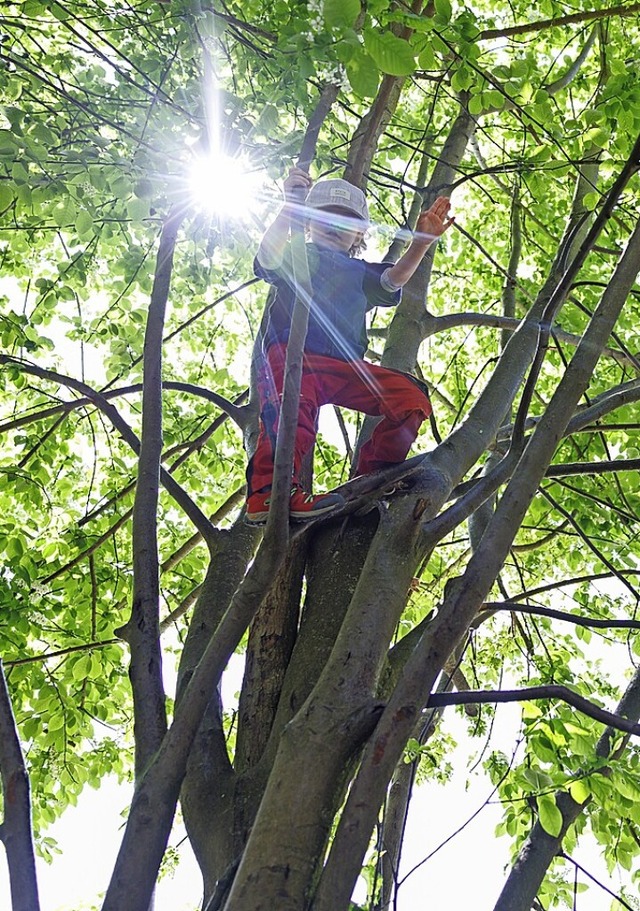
256 518
260 518
312 513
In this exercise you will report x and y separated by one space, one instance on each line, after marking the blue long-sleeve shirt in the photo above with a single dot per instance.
343 291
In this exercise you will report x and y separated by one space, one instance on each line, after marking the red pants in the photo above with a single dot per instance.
398 398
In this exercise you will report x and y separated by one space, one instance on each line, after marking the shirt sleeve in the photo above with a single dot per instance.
376 295
273 276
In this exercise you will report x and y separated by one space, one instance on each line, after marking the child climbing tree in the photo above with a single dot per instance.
503 568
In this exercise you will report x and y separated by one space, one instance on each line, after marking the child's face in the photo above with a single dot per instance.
335 228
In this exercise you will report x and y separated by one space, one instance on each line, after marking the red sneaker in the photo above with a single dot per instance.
258 507
303 505
308 505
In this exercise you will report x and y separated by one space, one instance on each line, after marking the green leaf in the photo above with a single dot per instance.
19 173
597 136
84 223
496 99
531 710
268 120
590 201
138 209
392 55
33 8
475 105
341 13
64 214
550 815
8 143
427 58
462 79
6 196
443 10
579 790
363 75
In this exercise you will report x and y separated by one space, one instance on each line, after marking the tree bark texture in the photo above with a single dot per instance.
143 630
15 831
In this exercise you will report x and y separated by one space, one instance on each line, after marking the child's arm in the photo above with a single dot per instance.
274 240
431 224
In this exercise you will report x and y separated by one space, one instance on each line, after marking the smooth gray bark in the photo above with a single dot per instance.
15 831
464 599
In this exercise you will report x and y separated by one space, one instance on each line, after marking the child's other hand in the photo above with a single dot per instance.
297 184
435 220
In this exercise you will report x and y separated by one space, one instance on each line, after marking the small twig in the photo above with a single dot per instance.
596 881
87 647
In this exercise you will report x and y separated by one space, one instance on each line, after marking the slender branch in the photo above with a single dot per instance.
593 879
541 847
507 324
45 656
181 609
605 404
221 512
576 580
511 279
539 542
278 521
92 113
551 691
177 492
494 606
234 411
196 316
569 19
573 468
562 288
191 446
92 548
588 541
241 24
572 71
600 406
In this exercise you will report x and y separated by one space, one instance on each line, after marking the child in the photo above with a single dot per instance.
334 369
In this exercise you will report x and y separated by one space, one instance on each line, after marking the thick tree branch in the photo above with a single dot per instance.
135 871
142 631
465 598
16 825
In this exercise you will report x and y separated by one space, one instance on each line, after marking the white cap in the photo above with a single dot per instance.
338 192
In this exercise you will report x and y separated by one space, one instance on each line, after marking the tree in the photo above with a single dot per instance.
130 314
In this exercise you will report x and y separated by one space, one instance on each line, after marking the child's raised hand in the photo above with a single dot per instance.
297 184
435 220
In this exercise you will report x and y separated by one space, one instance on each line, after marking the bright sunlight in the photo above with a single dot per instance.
225 185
